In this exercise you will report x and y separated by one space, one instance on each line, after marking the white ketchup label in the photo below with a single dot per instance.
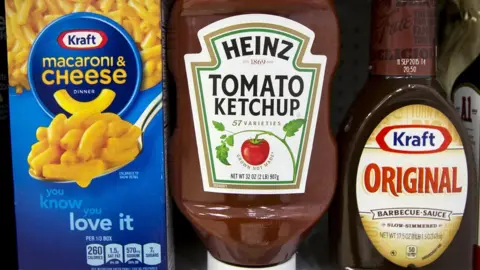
255 91
412 182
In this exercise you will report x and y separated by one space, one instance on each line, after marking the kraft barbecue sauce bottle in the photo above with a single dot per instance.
407 193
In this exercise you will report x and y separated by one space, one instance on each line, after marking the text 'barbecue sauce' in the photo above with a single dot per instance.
252 161
407 193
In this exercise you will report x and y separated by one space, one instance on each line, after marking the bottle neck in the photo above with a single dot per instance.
403 40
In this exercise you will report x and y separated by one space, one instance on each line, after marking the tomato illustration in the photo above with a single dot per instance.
255 151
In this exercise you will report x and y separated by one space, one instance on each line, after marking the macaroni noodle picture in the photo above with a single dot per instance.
26 18
82 147
72 106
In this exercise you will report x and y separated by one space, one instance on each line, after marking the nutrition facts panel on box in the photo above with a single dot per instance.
127 256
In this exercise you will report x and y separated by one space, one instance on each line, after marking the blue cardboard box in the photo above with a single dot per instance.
87 128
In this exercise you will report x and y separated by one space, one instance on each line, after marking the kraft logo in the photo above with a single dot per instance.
82 39
414 139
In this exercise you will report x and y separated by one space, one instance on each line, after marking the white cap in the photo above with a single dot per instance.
214 264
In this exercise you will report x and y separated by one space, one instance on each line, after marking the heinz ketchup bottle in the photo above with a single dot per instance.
252 159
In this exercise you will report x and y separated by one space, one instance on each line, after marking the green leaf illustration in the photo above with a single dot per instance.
292 127
219 126
229 140
222 154
223 137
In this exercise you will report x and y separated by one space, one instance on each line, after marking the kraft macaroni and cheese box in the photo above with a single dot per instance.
87 122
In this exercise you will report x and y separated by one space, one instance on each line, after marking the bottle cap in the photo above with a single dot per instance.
214 264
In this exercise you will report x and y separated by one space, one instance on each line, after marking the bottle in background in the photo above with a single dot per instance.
458 71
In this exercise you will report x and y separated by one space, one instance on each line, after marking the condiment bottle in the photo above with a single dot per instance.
252 160
461 43
407 193
466 97
466 87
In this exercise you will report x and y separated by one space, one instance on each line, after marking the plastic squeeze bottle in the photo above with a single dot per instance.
460 67
252 160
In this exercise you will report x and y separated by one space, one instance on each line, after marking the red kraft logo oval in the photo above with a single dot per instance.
82 39
414 139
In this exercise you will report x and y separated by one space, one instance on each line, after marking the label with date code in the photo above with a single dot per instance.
255 91
403 37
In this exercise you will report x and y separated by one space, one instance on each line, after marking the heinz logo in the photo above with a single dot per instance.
82 39
414 139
